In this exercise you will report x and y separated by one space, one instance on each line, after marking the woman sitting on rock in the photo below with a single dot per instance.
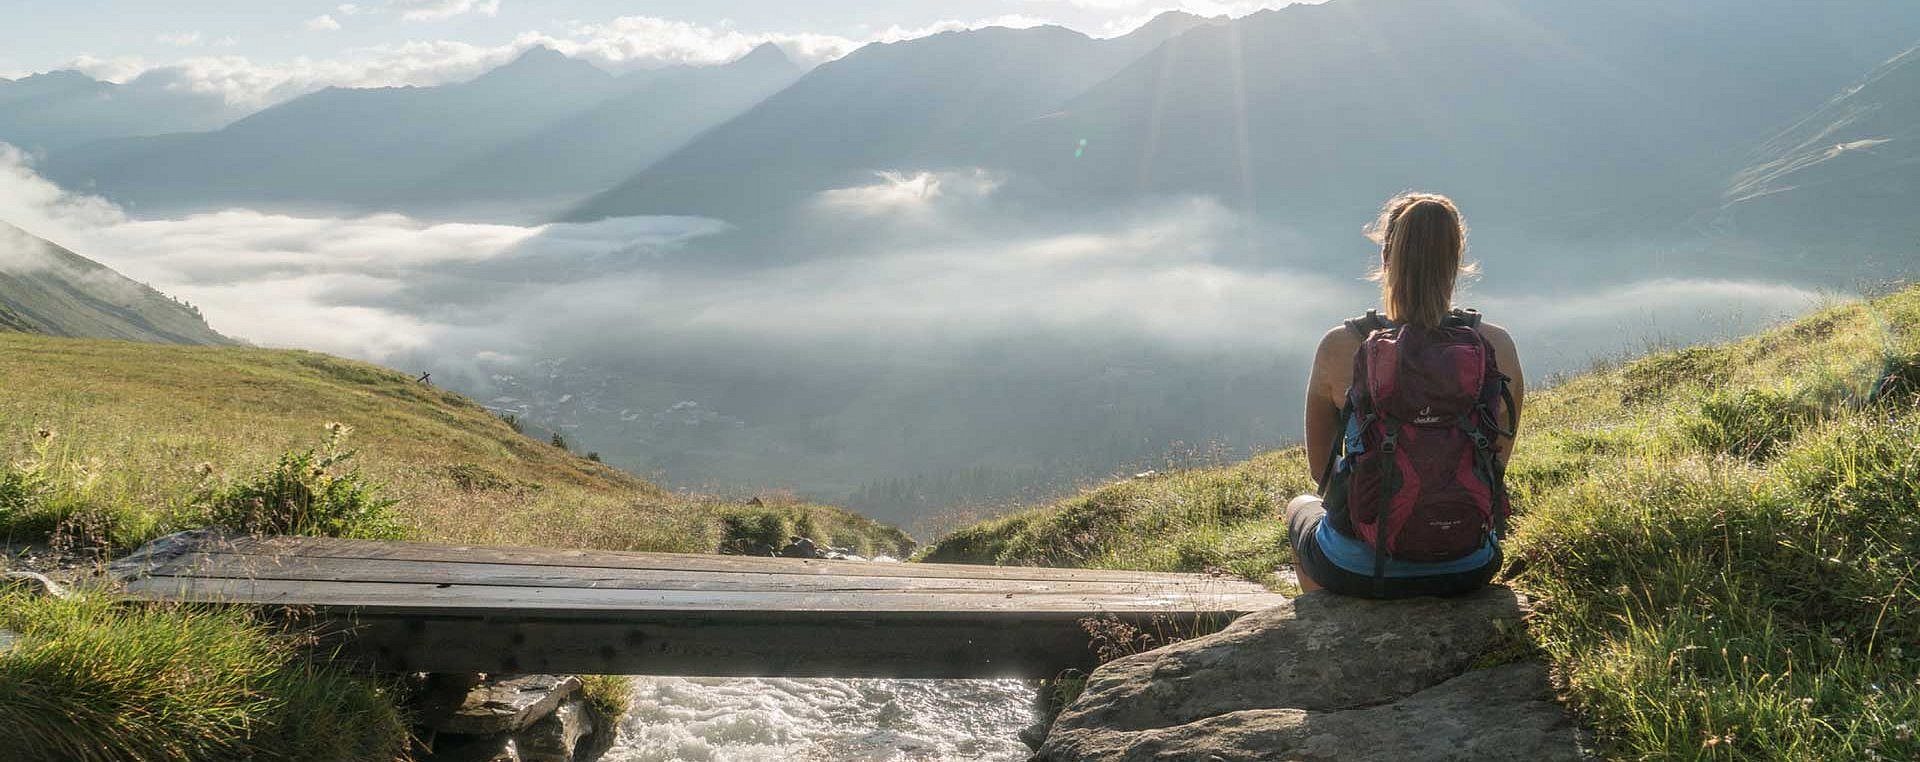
1410 420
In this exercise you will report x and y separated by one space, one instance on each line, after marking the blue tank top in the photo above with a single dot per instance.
1351 554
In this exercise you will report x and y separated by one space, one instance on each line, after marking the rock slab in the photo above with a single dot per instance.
1324 678
504 705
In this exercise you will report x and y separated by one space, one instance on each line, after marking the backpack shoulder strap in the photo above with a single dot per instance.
1365 325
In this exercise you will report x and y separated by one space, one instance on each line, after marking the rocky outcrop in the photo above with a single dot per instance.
524 718
1325 678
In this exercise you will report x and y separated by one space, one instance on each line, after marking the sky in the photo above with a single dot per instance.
261 51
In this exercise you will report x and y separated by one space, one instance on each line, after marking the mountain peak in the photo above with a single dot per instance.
542 64
1171 24
765 53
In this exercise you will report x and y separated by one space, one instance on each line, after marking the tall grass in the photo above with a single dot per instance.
90 679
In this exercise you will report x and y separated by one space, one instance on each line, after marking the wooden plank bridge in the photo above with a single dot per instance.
442 608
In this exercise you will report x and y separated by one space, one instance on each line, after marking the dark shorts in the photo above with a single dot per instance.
1312 563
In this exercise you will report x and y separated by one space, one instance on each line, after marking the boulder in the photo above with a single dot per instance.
500 705
1326 677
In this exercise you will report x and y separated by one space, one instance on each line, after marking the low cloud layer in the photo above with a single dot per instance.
925 332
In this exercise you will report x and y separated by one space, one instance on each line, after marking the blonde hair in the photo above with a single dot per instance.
1423 244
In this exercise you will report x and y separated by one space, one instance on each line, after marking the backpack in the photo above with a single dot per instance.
1414 473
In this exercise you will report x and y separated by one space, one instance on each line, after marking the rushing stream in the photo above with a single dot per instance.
750 720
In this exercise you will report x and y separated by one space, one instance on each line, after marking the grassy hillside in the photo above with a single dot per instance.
124 441
105 444
47 289
1723 540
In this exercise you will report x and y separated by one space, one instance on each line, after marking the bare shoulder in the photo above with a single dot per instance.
1338 344
1498 336
1505 351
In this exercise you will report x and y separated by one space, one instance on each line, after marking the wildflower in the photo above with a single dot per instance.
204 469
1838 641
1806 703
1903 732
44 432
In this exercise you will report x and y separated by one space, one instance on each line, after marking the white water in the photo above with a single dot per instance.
778 719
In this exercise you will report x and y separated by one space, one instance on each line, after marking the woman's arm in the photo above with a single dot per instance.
1508 356
1323 414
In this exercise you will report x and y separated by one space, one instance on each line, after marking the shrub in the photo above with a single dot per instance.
23 488
611 695
307 493
746 530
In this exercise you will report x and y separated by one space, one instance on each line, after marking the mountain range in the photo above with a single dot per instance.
1561 118
544 129
1552 120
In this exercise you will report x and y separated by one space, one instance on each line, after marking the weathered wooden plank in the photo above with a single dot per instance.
309 568
738 644
551 601
415 606
369 549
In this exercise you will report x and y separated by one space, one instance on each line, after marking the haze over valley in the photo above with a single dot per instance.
950 270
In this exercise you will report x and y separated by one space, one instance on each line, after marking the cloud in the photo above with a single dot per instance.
647 41
322 23
441 10
179 39
897 33
898 192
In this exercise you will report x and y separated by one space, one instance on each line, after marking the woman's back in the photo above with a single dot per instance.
1333 373
1355 542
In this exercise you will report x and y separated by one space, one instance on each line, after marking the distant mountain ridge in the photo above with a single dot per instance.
58 109
933 101
514 134
1842 178
47 289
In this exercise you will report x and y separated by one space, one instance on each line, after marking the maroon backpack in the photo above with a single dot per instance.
1414 472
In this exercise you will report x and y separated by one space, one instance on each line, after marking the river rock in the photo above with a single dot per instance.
800 547
1326 677
556 737
34 583
500 705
